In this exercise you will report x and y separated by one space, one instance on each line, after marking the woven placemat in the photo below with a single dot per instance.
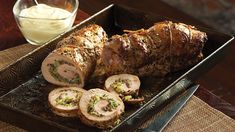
196 115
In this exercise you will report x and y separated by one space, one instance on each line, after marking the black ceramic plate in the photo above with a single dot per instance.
23 91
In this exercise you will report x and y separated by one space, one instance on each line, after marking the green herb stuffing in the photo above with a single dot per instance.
65 100
112 104
117 85
127 98
91 107
53 70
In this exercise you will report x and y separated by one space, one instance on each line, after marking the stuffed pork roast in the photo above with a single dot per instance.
100 108
75 58
163 48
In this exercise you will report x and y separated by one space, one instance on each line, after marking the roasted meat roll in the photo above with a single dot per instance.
91 34
64 101
100 108
69 66
163 48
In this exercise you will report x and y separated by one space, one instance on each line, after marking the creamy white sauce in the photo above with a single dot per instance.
37 24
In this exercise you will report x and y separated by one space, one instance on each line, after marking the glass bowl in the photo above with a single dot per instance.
42 20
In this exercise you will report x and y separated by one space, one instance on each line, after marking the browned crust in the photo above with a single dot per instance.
94 35
155 51
83 58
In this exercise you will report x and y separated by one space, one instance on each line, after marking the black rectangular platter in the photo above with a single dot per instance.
23 91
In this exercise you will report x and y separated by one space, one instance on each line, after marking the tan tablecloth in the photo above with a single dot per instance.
196 115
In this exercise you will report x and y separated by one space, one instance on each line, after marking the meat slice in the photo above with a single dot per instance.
156 51
64 101
100 108
69 66
123 84
75 57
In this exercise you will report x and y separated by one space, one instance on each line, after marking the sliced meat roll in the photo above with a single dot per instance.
64 101
123 84
100 108
69 66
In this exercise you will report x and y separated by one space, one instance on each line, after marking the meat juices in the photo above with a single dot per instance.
75 58
163 48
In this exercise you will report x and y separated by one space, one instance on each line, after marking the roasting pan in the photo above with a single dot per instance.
23 91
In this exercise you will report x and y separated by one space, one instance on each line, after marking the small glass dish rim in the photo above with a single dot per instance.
64 18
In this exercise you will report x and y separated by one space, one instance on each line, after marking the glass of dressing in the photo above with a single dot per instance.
42 20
